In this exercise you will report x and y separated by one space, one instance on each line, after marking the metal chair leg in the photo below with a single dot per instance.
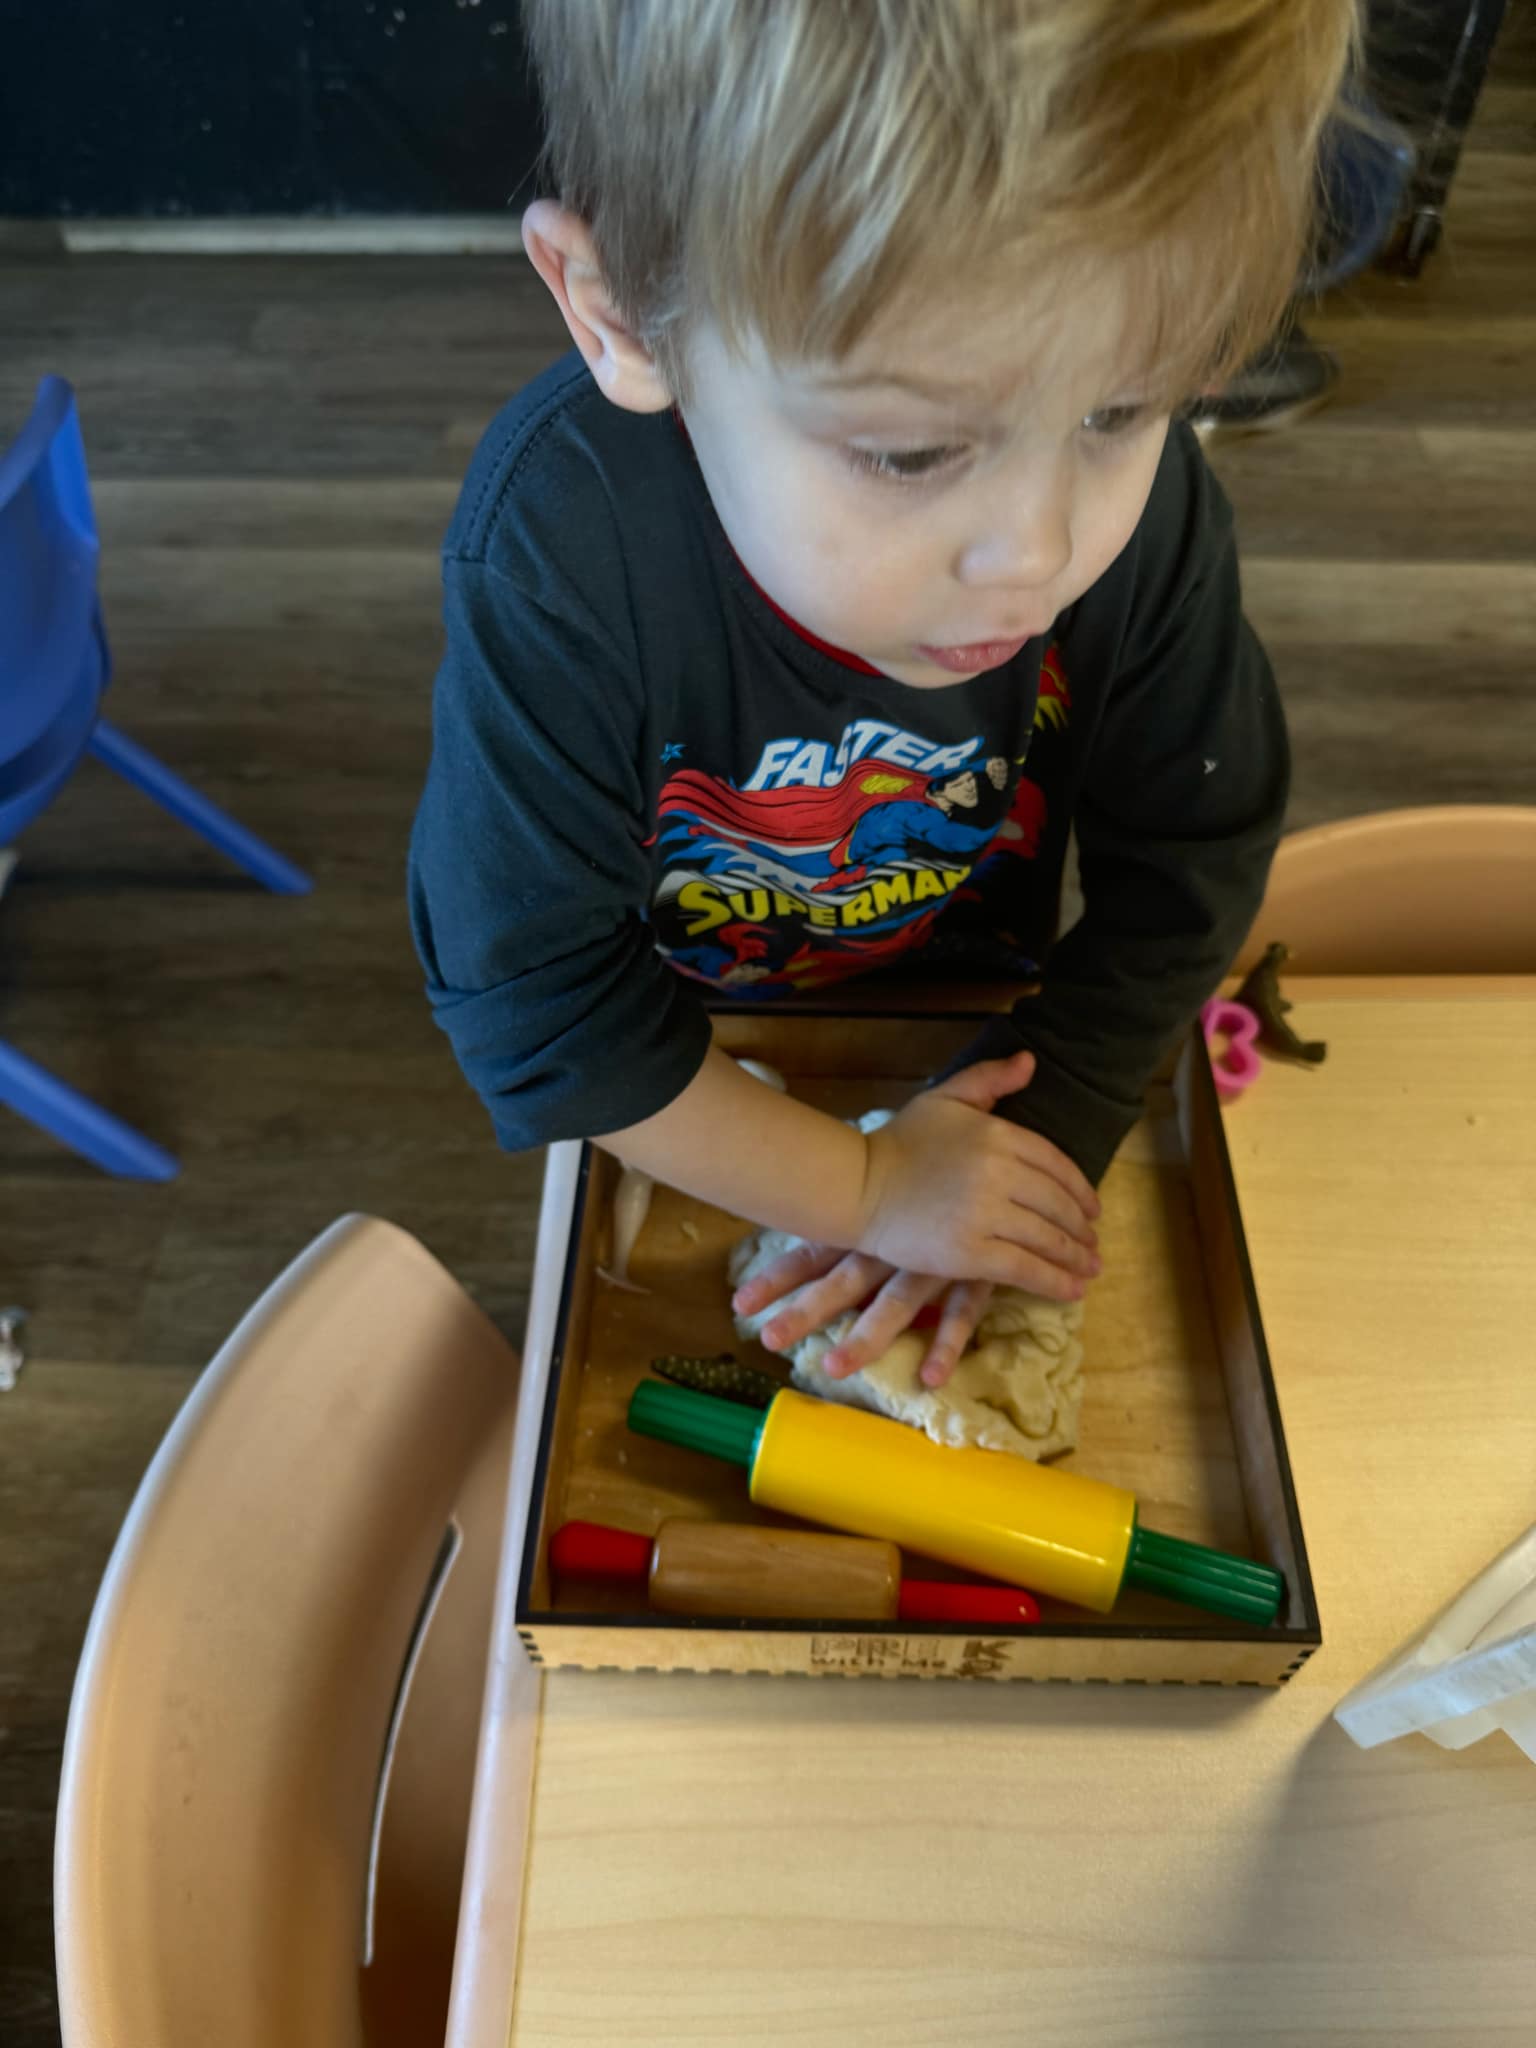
43 1099
146 772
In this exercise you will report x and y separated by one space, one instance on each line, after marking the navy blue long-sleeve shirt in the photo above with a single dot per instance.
644 779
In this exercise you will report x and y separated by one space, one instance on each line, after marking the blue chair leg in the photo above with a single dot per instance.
136 765
78 1122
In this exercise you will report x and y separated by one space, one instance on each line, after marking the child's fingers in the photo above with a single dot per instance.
989 1081
791 1270
853 1279
1033 1150
1009 1265
961 1311
1032 1188
891 1312
1036 1233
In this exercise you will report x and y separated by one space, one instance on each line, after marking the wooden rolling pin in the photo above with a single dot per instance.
734 1569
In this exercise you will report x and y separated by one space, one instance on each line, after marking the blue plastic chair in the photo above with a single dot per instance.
54 667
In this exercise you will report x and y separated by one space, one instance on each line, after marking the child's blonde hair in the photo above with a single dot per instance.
799 169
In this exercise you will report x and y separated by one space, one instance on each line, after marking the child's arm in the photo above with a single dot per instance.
945 1186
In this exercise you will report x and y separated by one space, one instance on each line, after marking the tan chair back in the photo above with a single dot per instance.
1448 890
243 1670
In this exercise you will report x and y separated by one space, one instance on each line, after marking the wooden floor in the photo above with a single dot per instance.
276 445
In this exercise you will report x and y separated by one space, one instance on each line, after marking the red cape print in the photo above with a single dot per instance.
1055 699
787 817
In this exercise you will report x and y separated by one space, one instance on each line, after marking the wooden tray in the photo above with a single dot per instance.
1179 1405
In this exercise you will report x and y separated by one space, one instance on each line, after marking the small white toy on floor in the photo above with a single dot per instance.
1018 1385
12 1357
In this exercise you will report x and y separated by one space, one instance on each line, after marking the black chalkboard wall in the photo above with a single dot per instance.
426 106
263 107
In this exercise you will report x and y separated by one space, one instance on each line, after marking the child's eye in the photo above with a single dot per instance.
1111 420
903 465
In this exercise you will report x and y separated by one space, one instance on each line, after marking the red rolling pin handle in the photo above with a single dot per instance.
977 1606
591 1550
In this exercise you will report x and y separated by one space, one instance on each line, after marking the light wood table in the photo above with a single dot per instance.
816 1864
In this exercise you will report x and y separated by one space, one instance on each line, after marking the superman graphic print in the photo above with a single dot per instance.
833 857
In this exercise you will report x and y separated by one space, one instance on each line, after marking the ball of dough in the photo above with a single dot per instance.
1018 1386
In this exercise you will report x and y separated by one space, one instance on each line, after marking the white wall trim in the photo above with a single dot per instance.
466 234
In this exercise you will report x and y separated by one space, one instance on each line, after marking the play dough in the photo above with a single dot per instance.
1018 1386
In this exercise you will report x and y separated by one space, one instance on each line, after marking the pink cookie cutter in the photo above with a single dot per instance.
1235 1064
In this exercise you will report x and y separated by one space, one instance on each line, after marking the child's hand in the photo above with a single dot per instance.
1046 1241
954 1191
831 1281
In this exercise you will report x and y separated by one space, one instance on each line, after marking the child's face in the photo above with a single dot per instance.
939 497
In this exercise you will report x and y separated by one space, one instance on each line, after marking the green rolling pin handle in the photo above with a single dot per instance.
698 1422
1201 1577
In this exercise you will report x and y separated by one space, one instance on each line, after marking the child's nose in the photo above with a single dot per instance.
1025 543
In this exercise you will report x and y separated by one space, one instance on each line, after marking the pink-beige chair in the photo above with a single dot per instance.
1446 890
271 1747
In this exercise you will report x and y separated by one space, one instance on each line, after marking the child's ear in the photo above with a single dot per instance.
560 249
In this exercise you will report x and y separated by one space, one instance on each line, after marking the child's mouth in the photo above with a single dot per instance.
972 658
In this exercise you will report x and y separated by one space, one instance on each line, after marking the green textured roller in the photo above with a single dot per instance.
1201 1577
699 1422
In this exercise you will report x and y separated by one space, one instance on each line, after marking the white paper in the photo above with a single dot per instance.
1470 1672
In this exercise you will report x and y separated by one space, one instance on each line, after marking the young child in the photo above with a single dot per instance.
847 563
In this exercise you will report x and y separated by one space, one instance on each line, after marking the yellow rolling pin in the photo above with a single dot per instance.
1055 1532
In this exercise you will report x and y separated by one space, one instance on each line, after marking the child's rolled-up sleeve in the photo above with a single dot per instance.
1177 823
529 878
